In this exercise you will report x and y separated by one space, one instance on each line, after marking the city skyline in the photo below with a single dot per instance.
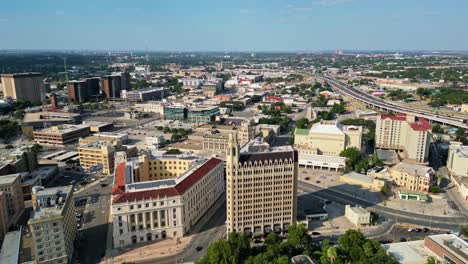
240 26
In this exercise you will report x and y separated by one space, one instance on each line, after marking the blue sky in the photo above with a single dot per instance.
222 25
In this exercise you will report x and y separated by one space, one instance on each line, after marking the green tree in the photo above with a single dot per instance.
173 151
352 156
435 189
437 129
432 260
302 123
332 254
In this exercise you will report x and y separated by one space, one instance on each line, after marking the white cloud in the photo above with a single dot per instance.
247 11
332 2
60 13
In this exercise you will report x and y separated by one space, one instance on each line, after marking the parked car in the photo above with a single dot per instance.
198 248
403 239
316 233
425 229
307 178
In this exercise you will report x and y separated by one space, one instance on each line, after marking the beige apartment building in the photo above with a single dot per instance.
261 187
406 134
457 160
327 138
23 86
52 224
413 177
61 134
12 190
97 153
165 197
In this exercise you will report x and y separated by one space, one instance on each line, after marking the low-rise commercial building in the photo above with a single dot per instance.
367 182
151 107
445 248
154 198
143 95
200 115
175 112
357 215
61 135
52 224
413 177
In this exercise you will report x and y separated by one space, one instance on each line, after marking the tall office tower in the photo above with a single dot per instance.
78 91
93 86
23 86
409 135
53 101
261 187
111 86
53 224
125 78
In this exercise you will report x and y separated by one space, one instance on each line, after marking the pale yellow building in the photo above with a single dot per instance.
464 108
367 182
457 160
409 135
53 225
153 205
61 134
23 86
357 215
96 154
413 177
261 187
327 138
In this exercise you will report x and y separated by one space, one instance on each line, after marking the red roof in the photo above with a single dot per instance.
399 117
119 183
180 188
421 125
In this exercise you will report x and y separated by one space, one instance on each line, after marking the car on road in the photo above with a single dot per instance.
198 248
403 239
307 178
425 230
328 202
103 185
317 181
66 176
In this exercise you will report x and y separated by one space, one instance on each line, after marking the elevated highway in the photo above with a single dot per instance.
388 106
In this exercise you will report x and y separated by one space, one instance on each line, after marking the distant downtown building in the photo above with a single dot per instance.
406 134
143 95
155 198
23 86
261 187
83 90
61 134
52 224
111 85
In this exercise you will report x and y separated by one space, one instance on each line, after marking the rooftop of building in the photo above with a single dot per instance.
22 74
358 176
49 116
97 123
9 179
412 169
408 252
257 150
52 207
96 144
358 210
204 108
453 244
128 191
416 123
462 151
10 250
62 129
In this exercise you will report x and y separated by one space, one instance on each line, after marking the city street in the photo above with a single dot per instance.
93 233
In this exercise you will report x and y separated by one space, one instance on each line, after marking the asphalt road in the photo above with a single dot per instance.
451 222
93 232
206 233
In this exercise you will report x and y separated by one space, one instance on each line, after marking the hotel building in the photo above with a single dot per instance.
413 177
261 187
406 134
158 197
23 86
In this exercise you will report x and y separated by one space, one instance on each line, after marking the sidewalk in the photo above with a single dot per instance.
167 247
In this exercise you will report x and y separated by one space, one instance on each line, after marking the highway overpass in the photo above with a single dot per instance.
388 106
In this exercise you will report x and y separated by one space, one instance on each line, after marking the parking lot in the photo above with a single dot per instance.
401 233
